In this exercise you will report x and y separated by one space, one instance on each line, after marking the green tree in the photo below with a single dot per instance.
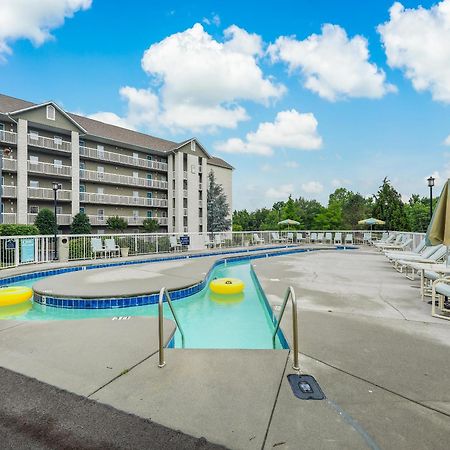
308 210
389 207
418 213
290 210
329 219
116 223
46 222
353 210
150 225
218 207
80 224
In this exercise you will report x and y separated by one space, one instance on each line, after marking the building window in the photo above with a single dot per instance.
101 150
2 126
57 140
149 214
34 183
101 213
34 135
193 146
59 210
149 194
135 155
50 112
149 176
135 194
82 210
82 188
100 171
100 190
82 165
57 162
34 159
135 213
149 158
82 143
135 174
34 209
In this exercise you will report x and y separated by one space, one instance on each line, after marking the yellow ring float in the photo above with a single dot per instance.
10 312
227 286
15 295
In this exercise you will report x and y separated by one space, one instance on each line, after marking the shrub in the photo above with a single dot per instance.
7 229
80 224
150 225
80 248
46 222
116 223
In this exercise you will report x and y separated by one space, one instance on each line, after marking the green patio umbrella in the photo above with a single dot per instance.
371 221
288 222
439 229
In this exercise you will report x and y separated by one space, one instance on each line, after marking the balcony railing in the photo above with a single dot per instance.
8 137
9 164
49 169
9 217
92 197
113 178
9 191
48 194
118 158
131 220
63 219
50 143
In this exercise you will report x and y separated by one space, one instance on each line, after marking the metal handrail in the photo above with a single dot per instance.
164 293
290 294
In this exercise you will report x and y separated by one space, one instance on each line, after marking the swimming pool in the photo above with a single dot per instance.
209 321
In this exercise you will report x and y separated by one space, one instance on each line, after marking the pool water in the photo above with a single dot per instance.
208 320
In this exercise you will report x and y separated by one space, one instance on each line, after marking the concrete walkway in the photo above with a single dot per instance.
380 358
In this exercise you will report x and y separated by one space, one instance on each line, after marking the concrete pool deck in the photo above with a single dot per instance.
379 356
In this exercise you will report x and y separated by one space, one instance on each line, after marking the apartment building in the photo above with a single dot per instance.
101 169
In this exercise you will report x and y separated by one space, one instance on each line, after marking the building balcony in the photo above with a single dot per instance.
9 165
112 178
8 137
49 169
9 218
49 143
111 199
117 158
63 219
131 220
48 194
9 191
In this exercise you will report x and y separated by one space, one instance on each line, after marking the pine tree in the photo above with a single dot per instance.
389 207
80 224
218 207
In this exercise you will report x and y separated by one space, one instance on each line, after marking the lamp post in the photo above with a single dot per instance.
56 187
430 185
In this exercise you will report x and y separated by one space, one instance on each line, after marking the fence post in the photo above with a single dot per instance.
16 252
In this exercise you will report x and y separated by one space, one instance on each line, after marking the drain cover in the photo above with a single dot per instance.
305 387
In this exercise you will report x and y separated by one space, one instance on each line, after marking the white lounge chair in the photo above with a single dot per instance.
313 238
338 238
208 242
174 244
290 237
320 237
218 241
299 238
328 238
111 248
258 240
367 238
97 247
276 238
349 239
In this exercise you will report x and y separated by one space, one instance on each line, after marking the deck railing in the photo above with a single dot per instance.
79 247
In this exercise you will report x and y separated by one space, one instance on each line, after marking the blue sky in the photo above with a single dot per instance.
320 112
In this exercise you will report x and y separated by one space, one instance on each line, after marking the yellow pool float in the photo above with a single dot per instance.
15 295
8 312
227 286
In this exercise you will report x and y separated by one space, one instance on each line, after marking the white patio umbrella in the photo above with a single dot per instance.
288 222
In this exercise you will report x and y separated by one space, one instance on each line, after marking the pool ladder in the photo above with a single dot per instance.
290 294
164 293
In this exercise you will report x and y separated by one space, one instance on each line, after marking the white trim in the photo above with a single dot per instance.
51 112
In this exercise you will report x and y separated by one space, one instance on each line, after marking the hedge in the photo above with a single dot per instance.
7 229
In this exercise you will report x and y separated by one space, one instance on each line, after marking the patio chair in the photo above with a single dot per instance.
441 293
313 238
97 247
338 238
328 238
299 238
389 240
258 240
349 239
367 238
399 254
111 248
208 242
290 237
218 241
390 244
276 238
174 244
320 237
437 255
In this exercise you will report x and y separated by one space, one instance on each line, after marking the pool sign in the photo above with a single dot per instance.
10 244
27 250
185 240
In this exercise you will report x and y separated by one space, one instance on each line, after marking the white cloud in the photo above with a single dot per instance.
34 20
312 187
338 182
112 118
333 65
417 41
281 192
292 164
291 130
198 82
214 19
447 140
